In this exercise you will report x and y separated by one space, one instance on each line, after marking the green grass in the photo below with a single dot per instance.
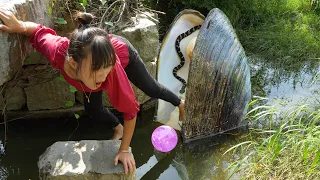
287 147
281 31
285 40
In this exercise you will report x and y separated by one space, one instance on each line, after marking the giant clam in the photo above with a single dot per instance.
216 71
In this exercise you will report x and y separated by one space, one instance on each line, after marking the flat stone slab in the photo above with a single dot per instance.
87 159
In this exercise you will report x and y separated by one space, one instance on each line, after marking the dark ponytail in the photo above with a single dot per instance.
88 40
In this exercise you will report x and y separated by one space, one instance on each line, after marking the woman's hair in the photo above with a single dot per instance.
86 40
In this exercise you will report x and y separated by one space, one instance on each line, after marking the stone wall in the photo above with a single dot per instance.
29 83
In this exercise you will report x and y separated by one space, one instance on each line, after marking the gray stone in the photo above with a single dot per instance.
140 96
16 98
53 94
14 47
82 160
144 36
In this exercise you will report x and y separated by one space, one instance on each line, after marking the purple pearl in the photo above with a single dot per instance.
164 138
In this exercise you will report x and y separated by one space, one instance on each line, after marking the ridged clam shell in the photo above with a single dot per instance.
218 87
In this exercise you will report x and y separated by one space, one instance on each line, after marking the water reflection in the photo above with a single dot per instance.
291 83
285 84
205 160
201 160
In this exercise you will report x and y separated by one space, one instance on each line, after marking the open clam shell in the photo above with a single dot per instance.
168 59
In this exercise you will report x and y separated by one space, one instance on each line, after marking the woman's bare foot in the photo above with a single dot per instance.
181 110
118 132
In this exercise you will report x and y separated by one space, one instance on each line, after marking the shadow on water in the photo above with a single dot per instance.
28 139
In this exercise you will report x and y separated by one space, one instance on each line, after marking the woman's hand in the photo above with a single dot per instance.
127 160
181 110
11 23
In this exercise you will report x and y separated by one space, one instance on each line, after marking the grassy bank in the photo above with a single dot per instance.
288 147
278 30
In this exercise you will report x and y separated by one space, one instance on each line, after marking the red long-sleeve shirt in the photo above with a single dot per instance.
121 95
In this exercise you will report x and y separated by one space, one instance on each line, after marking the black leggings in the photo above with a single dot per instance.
140 77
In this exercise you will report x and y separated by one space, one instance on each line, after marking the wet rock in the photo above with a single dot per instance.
144 36
82 160
14 47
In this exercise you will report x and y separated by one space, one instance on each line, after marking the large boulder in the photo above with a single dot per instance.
14 47
46 90
144 36
86 159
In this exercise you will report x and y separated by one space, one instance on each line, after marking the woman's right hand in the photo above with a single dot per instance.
11 23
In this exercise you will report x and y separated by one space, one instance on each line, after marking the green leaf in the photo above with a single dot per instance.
108 23
316 159
113 9
69 104
305 154
61 78
76 116
103 2
61 21
50 11
28 60
72 89
83 2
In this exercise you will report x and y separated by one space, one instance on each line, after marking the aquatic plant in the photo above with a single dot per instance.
287 147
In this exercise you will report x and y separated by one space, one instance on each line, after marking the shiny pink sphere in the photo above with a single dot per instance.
164 138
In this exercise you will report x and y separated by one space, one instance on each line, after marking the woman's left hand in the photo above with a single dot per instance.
127 160
11 23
